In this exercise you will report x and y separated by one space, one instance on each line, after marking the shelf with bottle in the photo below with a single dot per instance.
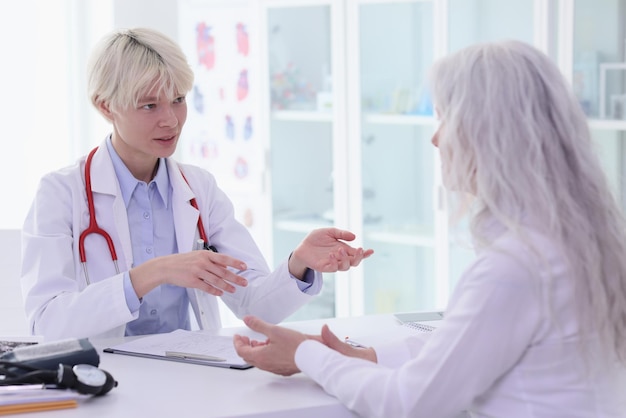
616 102
301 116
399 107
607 124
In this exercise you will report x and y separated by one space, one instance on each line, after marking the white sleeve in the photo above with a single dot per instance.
270 295
396 353
485 331
56 305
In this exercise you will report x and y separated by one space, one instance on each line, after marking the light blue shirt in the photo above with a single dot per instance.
166 307
152 234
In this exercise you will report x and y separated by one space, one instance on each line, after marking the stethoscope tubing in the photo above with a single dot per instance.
94 228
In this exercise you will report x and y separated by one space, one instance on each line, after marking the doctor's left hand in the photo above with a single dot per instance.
324 250
276 354
203 270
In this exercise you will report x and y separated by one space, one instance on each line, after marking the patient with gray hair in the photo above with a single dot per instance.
536 326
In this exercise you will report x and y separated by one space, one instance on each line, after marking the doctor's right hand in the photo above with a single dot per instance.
203 270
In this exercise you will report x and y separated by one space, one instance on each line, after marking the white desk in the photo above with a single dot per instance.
158 388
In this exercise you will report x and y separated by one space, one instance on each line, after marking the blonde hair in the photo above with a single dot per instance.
519 141
129 63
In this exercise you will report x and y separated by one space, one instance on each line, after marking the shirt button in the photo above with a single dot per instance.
149 250
146 215
153 312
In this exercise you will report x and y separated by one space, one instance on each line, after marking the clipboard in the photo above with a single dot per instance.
420 321
194 347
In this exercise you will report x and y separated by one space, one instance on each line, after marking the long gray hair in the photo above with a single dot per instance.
517 140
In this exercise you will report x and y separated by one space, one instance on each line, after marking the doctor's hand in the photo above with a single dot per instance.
203 270
324 250
276 354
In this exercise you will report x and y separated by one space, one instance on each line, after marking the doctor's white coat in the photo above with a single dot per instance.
60 304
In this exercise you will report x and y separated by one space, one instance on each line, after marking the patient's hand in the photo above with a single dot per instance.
276 354
331 340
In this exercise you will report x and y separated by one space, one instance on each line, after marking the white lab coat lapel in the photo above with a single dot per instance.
185 215
204 306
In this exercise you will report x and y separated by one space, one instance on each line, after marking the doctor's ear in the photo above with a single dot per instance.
104 109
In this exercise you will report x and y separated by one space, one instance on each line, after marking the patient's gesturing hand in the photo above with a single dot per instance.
276 354
331 340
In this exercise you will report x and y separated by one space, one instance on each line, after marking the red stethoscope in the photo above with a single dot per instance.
93 227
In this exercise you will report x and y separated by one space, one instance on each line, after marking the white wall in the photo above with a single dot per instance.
45 114
44 108
34 90
12 316
157 14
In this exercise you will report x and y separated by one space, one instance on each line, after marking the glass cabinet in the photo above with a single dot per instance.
393 183
305 133
346 119
472 21
350 124
598 75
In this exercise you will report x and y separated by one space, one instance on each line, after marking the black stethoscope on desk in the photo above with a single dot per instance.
93 227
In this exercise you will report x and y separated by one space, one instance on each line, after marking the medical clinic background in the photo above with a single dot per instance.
369 166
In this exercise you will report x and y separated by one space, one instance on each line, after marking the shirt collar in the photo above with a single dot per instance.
128 182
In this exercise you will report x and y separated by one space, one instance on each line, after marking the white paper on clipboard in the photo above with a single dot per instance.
197 343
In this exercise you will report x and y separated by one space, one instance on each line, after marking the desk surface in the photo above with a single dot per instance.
158 388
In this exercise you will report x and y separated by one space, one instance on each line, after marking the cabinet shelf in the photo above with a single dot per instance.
304 225
607 124
302 116
418 237
396 119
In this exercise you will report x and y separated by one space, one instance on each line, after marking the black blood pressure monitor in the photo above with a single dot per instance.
49 355
71 364
84 378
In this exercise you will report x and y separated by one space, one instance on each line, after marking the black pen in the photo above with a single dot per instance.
354 343
192 356
201 245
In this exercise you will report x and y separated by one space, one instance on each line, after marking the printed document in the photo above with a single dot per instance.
195 347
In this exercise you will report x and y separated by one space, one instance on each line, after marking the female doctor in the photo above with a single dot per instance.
108 242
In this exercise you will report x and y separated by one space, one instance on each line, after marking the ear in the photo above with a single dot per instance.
103 107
